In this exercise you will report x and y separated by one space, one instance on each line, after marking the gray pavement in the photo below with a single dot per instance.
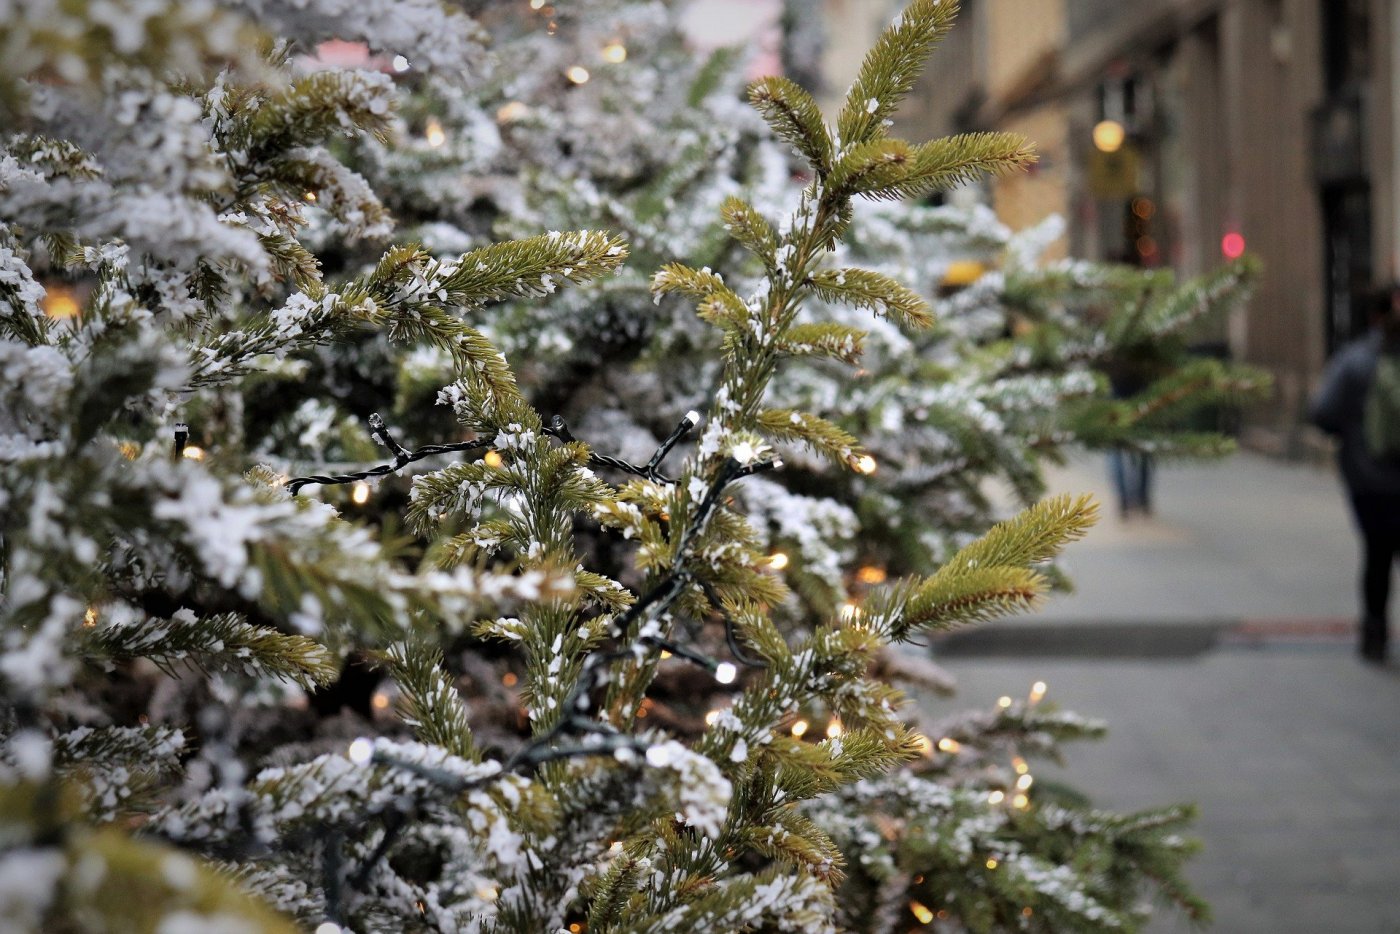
1217 640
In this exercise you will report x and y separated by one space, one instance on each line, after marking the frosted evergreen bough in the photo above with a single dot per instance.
251 678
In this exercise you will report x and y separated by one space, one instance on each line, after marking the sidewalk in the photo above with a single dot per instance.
1217 640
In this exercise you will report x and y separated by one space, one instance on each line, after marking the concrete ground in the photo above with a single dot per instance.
1217 639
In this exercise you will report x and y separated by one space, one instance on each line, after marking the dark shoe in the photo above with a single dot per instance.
1373 640
1375 654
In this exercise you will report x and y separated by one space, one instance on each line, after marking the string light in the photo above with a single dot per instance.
865 464
996 797
1021 801
1037 691
833 729
665 655
615 52
512 111
536 4
359 493
60 303
992 862
487 892
509 679
1027 911
949 745
777 561
380 700
433 131
711 718
361 751
849 612
309 197
492 459
90 617
401 64
799 728
328 927
870 574
725 673
921 912
577 74
925 744
194 452
1019 765
1109 135
1025 781
1003 702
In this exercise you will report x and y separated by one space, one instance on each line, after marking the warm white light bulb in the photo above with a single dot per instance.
577 74
725 673
361 751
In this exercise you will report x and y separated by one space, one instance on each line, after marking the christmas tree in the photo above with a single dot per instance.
174 615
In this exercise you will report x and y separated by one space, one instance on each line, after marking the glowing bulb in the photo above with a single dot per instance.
1038 691
992 862
1232 245
921 912
1003 702
60 303
309 197
401 64
536 4
577 74
328 927
871 575
509 679
434 133
512 111
665 655
1020 765
1109 135
1024 782
487 893
380 700
492 459
711 718
90 617
949 745
996 797
725 673
925 744
799 728
194 452
864 464
833 729
849 612
615 52
359 493
361 751
616 847
777 561
1021 802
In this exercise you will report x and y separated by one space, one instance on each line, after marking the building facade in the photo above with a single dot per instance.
1266 125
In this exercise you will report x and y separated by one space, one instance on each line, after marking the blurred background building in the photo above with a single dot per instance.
1182 132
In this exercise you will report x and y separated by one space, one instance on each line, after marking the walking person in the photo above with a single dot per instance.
1359 403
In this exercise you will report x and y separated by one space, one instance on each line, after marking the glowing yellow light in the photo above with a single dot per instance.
1003 702
512 111
1109 135
1027 912
849 612
1019 765
359 493
777 561
711 717
309 197
949 745
992 862
996 797
487 893
799 728
665 655
194 452
575 928
552 28
962 272
130 449
577 74
870 574
509 679
864 464
615 52
434 133
833 729
1021 801
1038 691
380 700
90 617
536 4
924 743
492 459
921 912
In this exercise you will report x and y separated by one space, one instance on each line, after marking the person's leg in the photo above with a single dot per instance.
1147 471
1118 471
1378 548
